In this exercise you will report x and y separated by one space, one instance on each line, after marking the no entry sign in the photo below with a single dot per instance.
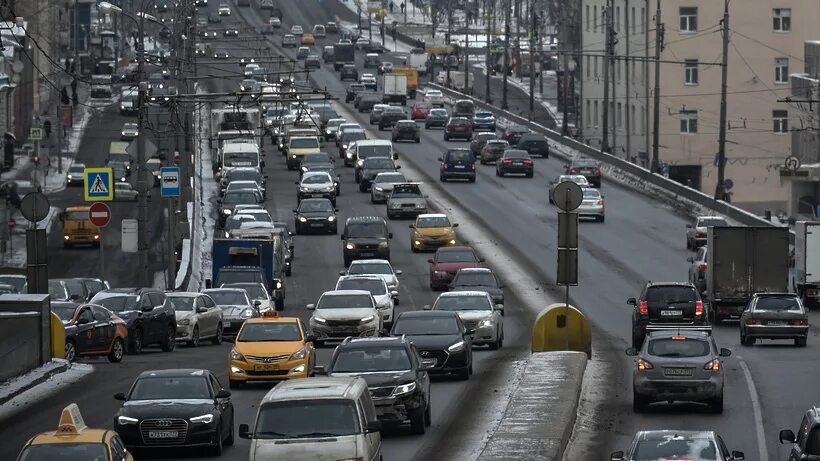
99 214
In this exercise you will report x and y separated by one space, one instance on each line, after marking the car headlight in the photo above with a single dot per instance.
269 122
236 355
246 314
226 211
184 322
319 320
349 154
304 168
344 146
367 319
359 163
302 219
383 244
378 189
122 133
440 273
327 131
298 355
278 285
70 177
421 205
126 420
404 389
395 205
331 218
457 347
206 419
486 323
350 246
303 189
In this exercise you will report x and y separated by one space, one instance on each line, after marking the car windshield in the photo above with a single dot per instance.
438 113
182 303
121 303
678 347
516 154
350 136
243 176
706 222
767 303
370 268
315 206
304 143
76 216
471 279
64 312
316 179
428 326
352 360
671 294
374 151
390 178
366 230
229 298
675 448
462 303
590 193
267 331
293 419
345 302
254 290
459 156
171 388
72 451
432 221
462 256
238 158
17 282
374 286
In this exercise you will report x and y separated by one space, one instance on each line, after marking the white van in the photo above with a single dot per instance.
339 411
375 148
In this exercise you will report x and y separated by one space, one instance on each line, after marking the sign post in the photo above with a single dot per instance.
100 215
567 197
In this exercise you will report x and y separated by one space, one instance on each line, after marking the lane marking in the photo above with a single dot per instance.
758 414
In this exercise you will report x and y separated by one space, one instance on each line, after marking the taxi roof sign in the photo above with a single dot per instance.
71 421
270 314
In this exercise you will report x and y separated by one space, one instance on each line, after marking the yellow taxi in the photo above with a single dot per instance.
308 39
75 441
271 348
432 231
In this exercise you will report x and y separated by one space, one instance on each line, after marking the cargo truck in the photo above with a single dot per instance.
251 260
395 89
807 262
744 261
412 79
343 53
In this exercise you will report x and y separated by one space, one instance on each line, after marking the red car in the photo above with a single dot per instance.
420 111
447 261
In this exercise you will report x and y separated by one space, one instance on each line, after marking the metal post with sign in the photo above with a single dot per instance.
567 197
170 187
35 208
100 215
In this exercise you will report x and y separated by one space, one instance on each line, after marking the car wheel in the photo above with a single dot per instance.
217 339
229 440
417 426
446 138
418 140
498 173
639 404
744 340
465 374
216 448
169 343
136 342
428 418
236 384
637 340
442 178
289 272
688 244
530 174
601 219
716 404
800 342
495 345
117 351
472 179
70 351
194 342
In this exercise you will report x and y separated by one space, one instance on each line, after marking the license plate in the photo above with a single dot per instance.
674 313
316 225
266 367
367 253
460 167
163 434
677 371
517 163
776 323
585 171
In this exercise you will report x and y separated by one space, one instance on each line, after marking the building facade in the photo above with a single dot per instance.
765 41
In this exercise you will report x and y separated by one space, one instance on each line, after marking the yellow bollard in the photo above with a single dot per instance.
561 328
57 337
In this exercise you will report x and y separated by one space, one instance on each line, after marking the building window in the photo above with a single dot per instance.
691 72
595 113
588 116
688 19
595 60
643 20
782 19
632 118
595 18
617 71
780 119
688 121
587 21
781 70
620 116
633 20
618 18
588 66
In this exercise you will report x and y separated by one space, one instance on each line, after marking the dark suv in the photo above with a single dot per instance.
365 237
147 313
590 169
805 445
670 304
352 91
457 164
398 382
535 144
390 116
458 127
349 72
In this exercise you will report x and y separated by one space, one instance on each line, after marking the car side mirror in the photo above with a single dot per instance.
121 396
319 370
262 164
82 321
469 331
342 237
787 436
430 260
245 431
688 226
201 309
296 182
631 351
294 210
724 352
310 338
398 167
440 159
394 294
690 259
455 225
631 301
257 303
616 456
148 308
398 271
738 455
373 426
336 210
428 307
223 394
412 226
390 235
229 340
310 307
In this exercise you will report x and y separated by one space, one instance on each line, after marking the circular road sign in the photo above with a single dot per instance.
792 163
99 214
34 206
567 195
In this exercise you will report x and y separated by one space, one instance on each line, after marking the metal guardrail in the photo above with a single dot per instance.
673 189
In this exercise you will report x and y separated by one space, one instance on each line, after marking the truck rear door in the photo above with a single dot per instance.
770 259
728 274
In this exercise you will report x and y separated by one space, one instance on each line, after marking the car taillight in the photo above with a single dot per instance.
596 171
508 133
699 309
701 267
601 202
472 166
712 365
506 162
573 171
754 322
527 162
800 322
644 365
643 308
700 234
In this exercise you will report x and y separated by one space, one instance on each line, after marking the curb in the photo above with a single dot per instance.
60 368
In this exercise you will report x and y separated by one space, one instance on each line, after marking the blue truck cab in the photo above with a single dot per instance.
250 260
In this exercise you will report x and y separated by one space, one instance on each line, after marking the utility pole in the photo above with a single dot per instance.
467 61
504 105
517 38
720 190
645 69
628 82
533 31
656 120
607 42
487 12
142 186
449 38
613 66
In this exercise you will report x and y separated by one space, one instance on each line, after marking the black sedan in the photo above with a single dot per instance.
315 215
441 339
513 134
231 33
589 168
176 408
515 161
535 144
406 129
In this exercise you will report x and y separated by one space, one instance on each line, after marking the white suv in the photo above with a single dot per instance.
343 313
374 284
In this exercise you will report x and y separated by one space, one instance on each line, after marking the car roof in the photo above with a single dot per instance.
366 219
666 334
369 261
359 277
432 215
374 341
346 293
456 294
455 248
669 284
316 388
468 270
418 314
177 372
374 142
182 294
666 434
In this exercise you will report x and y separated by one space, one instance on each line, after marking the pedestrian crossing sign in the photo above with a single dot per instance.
99 184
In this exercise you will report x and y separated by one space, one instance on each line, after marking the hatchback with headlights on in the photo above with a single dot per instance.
315 215
478 312
774 316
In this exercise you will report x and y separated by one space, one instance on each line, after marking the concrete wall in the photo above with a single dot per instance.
25 333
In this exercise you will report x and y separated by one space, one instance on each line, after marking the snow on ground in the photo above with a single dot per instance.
205 189
38 384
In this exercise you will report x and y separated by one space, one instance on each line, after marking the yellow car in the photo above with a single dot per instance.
271 348
432 231
308 39
75 441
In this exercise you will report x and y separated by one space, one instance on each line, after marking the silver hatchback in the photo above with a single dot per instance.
677 364
774 316
592 205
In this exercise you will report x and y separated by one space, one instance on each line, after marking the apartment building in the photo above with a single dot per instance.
766 41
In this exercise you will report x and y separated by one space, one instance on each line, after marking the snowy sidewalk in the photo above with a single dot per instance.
18 393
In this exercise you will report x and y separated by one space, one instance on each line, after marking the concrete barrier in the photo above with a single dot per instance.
541 412
25 333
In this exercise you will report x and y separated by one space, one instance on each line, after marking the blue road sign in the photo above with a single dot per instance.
169 181
99 185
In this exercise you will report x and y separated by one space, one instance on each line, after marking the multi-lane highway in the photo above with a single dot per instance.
767 387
